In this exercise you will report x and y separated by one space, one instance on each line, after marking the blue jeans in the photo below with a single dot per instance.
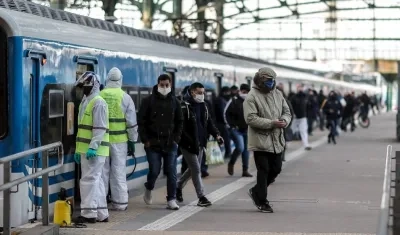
333 127
240 140
170 161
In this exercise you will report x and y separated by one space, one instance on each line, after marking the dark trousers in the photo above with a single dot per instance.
269 165
170 162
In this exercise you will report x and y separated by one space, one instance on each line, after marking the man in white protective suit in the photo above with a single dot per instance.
92 149
123 134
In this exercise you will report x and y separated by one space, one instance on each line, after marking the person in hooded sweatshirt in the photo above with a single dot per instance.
92 149
123 135
196 127
160 127
332 110
266 113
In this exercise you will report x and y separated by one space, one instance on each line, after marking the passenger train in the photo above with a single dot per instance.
41 58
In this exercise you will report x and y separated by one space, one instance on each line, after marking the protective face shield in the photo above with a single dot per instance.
86 82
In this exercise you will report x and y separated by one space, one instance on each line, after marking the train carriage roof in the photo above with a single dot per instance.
28 25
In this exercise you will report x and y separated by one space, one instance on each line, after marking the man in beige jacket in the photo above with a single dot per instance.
267 113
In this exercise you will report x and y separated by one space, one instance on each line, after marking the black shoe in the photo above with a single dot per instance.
265 208
84 220
329 139
308 148
204 174
255 202
103 221
204 202
333 140
179 196
230 169
246 174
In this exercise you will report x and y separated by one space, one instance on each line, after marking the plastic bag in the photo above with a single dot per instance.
213 153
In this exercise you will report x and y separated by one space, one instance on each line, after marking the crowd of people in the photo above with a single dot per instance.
260 119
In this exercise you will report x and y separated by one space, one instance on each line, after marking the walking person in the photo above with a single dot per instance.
160 127
287 131
332 110
123 135
299 104
267 113
196 126
237 126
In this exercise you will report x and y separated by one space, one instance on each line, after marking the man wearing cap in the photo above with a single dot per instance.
266 113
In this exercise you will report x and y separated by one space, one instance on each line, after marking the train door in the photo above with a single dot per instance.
37 59
83 64
218 77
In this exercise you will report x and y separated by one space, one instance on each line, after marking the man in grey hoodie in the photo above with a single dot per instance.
267 113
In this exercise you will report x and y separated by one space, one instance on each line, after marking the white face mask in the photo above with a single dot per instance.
243 95
199 98
164 91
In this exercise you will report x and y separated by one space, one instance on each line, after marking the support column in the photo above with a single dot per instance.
219 9
147 14
58 4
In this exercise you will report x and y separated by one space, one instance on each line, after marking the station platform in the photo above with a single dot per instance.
332 189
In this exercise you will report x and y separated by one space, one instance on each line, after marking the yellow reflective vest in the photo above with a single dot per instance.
85 128
114 97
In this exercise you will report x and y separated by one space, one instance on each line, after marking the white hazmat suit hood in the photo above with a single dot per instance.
114 175
114 78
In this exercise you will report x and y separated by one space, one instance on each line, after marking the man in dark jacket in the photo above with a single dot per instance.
160 127
196 126
234 118
332 109
220 105
299 104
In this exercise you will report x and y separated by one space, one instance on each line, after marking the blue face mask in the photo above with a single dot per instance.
269 83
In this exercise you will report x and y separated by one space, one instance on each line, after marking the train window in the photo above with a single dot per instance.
3 85
82 68
135 97
56 103
143 94
209 96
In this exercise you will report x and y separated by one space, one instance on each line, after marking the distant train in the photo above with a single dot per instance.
41 58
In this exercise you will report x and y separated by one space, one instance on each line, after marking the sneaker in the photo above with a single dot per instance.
308 148
179 196
246 174
171 205
204 202
84 220
230 169
265 208
250 193
147 197
204 174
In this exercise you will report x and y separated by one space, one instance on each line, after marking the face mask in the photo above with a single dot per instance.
87 90
243 96
164 91
199 98
269 84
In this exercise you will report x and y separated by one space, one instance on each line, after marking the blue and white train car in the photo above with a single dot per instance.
41 58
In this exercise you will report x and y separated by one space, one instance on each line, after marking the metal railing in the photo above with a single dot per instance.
385 213
8 184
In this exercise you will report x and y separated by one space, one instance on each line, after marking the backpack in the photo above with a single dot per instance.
185 105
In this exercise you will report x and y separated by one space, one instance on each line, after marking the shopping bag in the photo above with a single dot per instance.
213 154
